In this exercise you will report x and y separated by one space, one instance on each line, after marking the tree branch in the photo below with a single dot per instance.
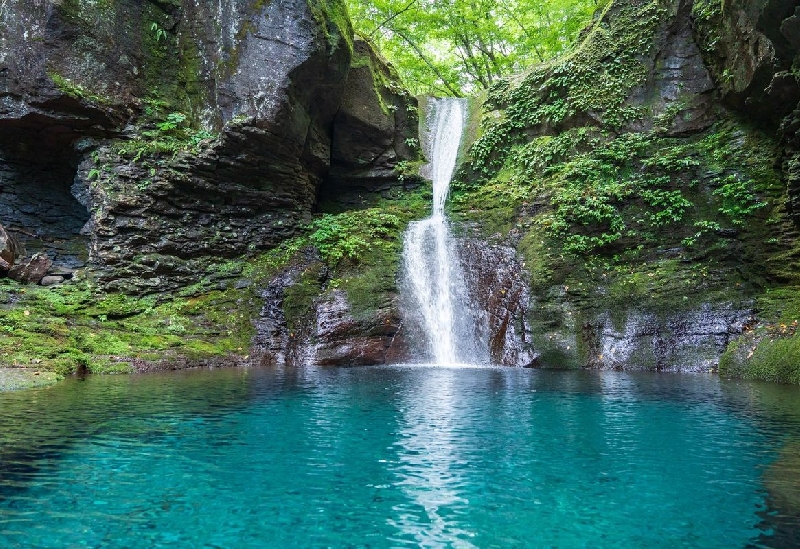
428 62
392 17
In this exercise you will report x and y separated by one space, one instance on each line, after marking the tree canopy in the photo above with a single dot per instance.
454 47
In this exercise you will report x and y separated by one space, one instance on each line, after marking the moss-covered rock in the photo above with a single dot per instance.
185 148
650 218
335 302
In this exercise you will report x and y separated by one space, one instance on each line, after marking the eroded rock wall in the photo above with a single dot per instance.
326 331
178 134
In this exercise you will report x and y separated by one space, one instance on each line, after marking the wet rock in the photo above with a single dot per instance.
266 82
689 341
51 280
341 340
8 250
329 334
32 270
497 285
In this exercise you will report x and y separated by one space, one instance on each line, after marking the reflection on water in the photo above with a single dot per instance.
400 457
431 464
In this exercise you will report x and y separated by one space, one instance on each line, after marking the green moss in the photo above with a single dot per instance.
333 16
77 91
363 248
770 357
161 135
597 77
74 326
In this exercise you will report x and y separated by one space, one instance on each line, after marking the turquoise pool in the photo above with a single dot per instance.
400 456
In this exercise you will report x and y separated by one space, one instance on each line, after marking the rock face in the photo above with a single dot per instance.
497 285
652 101
342 340
753 51
689 341
376 127
327 332
178 132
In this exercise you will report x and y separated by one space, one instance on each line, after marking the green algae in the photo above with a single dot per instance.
18 378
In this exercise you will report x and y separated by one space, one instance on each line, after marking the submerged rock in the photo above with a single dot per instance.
25 378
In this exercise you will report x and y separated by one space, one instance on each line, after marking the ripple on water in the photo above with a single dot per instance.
400 456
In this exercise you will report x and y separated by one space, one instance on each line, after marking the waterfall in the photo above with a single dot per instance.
436 308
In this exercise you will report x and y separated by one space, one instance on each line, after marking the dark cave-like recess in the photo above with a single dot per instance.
38 163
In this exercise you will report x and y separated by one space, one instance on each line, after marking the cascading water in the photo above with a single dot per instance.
435 300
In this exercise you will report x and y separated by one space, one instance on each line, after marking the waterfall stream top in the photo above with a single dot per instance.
446 129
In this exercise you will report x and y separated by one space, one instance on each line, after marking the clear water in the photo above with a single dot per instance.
406 456
436 308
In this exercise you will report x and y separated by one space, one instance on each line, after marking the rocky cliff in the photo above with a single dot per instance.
160 147
172 134
232 180
645 178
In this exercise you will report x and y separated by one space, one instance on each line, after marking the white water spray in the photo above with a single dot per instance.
434 295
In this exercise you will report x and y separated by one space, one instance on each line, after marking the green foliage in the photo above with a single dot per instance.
77 91
597 77
605 193
738 198
159 33
349 235
169 135
457 46
361 250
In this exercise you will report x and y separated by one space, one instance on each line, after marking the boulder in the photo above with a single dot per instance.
51 280
32 270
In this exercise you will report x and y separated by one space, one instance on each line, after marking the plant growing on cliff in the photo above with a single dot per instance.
738 199
349 235
169 135
77 91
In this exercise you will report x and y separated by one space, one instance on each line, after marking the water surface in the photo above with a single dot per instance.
406 456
